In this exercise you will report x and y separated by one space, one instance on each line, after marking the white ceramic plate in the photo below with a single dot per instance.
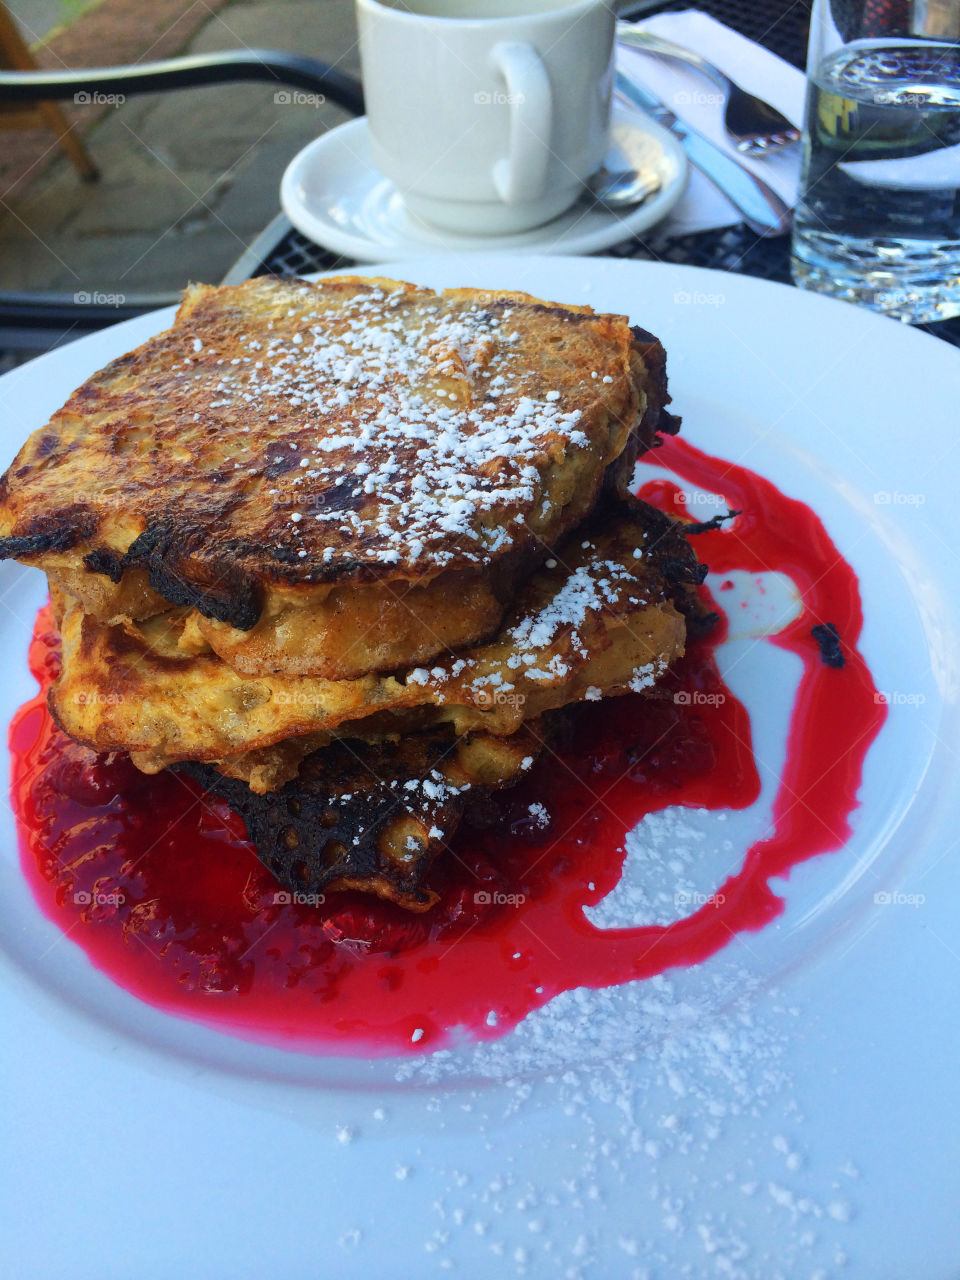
789 1108
334 194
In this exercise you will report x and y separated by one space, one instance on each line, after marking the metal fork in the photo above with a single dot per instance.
758 128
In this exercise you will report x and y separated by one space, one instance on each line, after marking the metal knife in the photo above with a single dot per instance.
763 210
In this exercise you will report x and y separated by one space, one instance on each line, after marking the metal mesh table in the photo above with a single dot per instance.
779 25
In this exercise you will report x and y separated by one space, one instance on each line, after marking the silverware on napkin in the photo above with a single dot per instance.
762 209
757 128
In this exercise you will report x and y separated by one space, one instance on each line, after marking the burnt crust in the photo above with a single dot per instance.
330 827
827 636
181 568
45 533
675 558
656 420
324 827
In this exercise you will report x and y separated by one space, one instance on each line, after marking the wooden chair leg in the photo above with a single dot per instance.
79 156
15 54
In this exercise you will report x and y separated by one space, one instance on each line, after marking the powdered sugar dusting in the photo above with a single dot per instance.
401 427
588 589
585 594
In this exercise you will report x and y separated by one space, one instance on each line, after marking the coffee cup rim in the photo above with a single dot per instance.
379 6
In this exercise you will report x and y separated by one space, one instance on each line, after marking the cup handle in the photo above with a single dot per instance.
522 175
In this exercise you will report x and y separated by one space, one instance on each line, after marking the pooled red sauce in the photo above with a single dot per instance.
158 886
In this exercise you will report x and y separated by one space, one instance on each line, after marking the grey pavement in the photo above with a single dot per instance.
188 178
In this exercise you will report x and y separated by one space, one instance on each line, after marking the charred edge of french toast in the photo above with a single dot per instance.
323 827
187 566
58 531
181 568
655 421
667 542
675 561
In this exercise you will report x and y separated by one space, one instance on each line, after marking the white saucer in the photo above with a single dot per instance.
334 195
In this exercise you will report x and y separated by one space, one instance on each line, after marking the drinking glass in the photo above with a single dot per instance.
878 217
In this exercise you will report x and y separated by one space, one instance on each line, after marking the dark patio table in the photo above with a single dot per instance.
779 25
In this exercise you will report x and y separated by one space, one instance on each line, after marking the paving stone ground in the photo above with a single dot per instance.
188 178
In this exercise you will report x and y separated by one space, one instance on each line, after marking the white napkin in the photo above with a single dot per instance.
689 94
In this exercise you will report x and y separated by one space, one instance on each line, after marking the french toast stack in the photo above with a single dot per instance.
344 551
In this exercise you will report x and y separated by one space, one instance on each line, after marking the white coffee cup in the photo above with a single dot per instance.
487 114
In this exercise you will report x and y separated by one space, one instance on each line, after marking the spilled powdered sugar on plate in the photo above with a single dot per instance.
648 1101
669 870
